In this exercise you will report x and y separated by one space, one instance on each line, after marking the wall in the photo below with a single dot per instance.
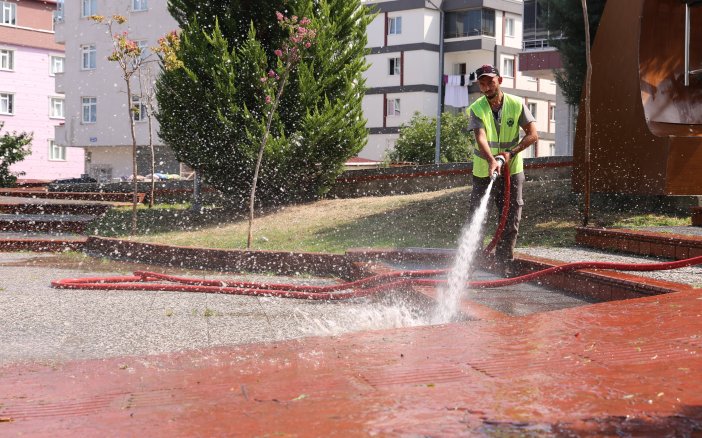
33 86
105 82
412 179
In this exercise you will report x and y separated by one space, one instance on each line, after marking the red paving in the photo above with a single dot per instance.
616 368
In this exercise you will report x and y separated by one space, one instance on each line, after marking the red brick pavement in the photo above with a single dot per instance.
622 367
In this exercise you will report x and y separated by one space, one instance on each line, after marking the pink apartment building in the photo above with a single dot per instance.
29 61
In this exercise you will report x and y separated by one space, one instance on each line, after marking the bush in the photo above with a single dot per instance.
13 148
417 141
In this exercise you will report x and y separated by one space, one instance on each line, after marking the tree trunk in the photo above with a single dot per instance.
153 163
260 157
588 128
135 194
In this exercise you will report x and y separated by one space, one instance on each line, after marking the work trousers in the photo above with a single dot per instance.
504 251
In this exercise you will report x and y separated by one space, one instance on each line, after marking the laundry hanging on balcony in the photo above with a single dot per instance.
456 93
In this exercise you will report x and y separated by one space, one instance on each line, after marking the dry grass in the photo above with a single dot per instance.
429 219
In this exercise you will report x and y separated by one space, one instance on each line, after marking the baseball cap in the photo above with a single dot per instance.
486 70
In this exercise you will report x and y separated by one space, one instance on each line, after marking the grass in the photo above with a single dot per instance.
431 219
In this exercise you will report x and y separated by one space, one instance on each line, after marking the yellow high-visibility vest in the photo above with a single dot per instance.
509 133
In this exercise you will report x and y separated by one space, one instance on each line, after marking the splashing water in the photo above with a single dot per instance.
368 317
449 296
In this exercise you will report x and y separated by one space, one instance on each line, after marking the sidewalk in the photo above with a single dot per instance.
606 369
609 369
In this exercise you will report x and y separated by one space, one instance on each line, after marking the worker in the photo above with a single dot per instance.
495 119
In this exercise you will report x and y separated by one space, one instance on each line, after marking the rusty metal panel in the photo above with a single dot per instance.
646 131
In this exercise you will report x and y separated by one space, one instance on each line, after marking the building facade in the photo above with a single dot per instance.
405 43
538 59
96 103
30 61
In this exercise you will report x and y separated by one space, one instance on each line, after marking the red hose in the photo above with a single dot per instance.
355 289
505 208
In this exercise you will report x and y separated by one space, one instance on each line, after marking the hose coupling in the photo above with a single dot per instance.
500 162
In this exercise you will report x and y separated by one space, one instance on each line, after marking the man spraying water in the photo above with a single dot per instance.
495 118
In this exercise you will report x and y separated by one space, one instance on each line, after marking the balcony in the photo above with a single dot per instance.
59 83
60 137
538 58
59 28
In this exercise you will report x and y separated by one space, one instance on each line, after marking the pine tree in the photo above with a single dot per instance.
212 109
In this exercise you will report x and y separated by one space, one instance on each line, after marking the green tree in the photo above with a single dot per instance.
417 141
289 55
13 148
565 18
126 53
212 109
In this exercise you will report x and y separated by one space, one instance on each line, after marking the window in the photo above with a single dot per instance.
7 103
460 69
138 109
393 107
7 59
144 47
472 22
508 67
56 152
509 27
531 106
552 113
88 56
394 25
89 8
89 109
56 107
528 152
552 149
8 13
139 5
58 13
55 64
395 66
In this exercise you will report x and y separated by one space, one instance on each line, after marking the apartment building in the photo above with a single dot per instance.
405 40
96 107
30 61
538 59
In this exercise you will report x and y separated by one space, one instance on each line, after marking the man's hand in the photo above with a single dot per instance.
494 166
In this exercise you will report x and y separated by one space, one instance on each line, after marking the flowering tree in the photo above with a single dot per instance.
127 54
301 37
212 106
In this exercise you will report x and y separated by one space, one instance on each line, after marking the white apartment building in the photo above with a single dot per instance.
404 41
96 107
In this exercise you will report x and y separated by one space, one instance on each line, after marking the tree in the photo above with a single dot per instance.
300 39
147 104
417 141
212 109
565 18
127 54
13 148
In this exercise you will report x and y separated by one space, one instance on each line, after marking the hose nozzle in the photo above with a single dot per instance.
500 162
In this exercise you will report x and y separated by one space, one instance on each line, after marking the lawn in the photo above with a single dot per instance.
431 219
